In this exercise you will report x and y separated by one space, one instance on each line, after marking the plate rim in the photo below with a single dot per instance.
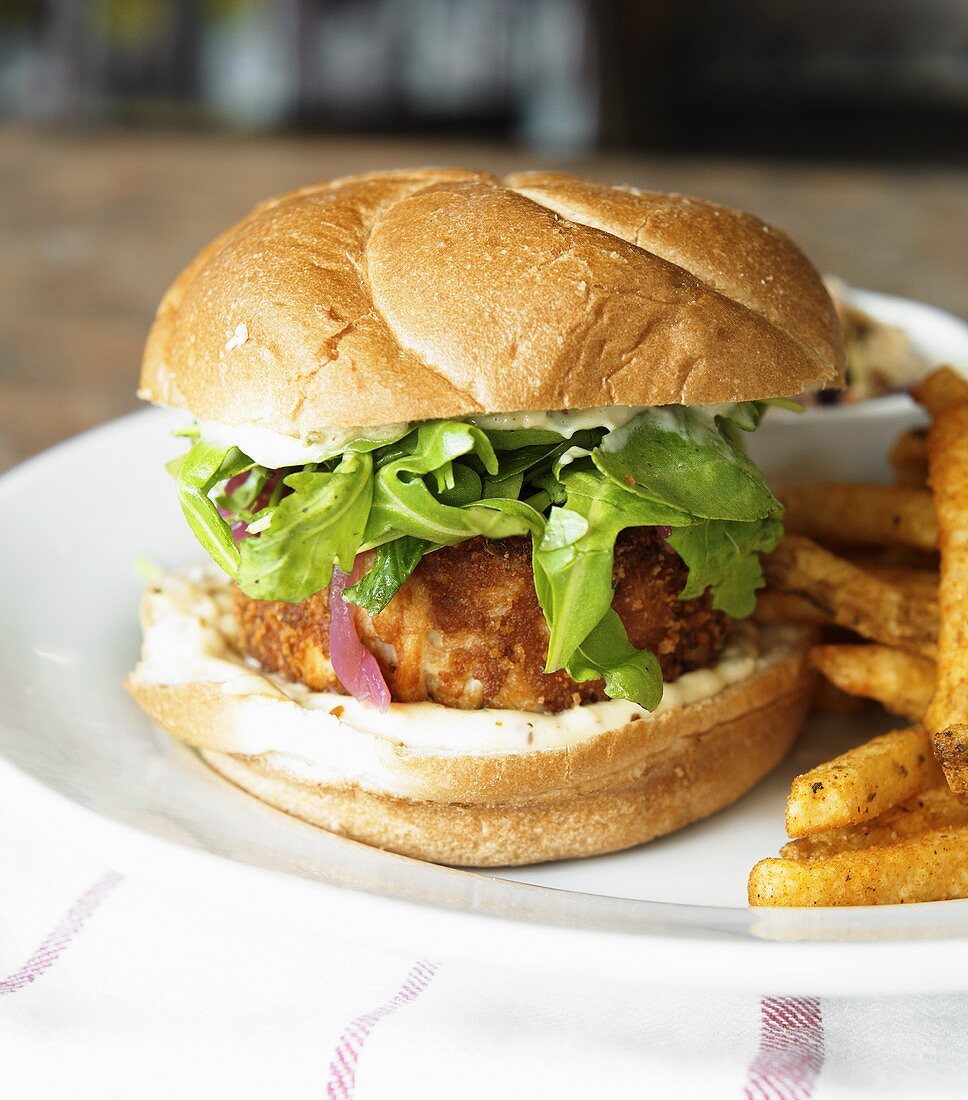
757 966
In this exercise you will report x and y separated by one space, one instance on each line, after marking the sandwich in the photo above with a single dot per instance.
467 456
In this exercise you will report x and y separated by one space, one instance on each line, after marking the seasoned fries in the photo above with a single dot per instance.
919 582
935 808
909 459
829 699
948 464
886 822
941 390
951 749
932 866
884 515
902 682
852 598
779 607
862 782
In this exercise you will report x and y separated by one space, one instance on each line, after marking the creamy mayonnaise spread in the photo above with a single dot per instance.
274 449
190 633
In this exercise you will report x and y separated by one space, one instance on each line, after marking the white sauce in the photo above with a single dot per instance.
564 423
189 630
274 449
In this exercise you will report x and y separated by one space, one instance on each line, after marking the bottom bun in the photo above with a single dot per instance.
525 788
700 774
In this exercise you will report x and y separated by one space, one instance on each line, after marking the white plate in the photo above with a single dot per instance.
82 761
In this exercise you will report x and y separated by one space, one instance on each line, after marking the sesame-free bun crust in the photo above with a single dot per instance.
439 292
610 791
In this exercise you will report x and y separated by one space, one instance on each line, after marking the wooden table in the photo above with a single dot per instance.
93 227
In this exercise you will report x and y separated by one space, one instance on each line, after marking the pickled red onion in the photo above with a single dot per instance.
354 665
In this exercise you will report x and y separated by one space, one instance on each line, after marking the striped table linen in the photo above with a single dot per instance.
113 989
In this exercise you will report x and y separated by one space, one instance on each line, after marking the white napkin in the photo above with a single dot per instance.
112 989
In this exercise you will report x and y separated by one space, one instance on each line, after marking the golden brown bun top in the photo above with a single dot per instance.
440 292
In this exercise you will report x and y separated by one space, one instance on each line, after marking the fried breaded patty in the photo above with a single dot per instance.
466 629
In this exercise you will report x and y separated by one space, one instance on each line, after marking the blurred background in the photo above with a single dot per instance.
846 78
132 130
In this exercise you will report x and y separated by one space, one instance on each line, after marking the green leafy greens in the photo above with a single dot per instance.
318 524
441 482
197 473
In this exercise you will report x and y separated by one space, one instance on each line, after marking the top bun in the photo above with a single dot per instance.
436 292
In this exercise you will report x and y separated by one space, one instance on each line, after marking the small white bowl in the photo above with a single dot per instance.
851 442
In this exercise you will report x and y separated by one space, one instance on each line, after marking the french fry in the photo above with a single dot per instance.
922 582
883 515
851 598
941 390
902 682
862 783
909 459
948 462
879 824
932 866
778 607
951 750
936 808
893 557
829 699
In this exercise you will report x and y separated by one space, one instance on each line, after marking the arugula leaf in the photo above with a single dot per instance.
788 403
541 457
404 503
518 516
573 560
724 556
607 654
512 468
239 502
549 484
514 439
392 565
746 415
321 522
198 472
383 439
678 456
508 488
462 485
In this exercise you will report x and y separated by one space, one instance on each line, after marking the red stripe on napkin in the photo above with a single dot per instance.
53 944
791 1050
342 1069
